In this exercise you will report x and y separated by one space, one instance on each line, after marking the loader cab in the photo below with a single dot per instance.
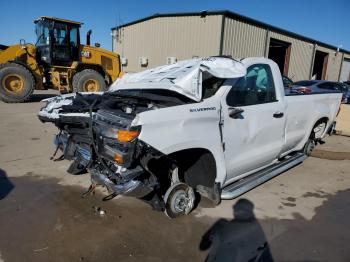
58 41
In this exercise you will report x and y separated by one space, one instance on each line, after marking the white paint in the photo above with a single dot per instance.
54 105
255 141
183 77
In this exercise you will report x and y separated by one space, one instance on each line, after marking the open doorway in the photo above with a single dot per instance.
320 65
279 51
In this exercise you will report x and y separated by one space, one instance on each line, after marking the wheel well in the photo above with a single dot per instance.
197 166
321 120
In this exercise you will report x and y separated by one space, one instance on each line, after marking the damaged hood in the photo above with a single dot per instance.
184 77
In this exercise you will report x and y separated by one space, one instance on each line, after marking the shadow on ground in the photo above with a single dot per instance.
240 239
44 221
5 185
34 98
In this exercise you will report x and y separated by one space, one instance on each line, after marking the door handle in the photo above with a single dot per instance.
278 115
235 112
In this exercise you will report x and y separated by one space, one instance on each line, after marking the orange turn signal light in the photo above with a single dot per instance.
119 158
127 135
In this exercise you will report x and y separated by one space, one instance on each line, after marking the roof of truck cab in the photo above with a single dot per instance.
57 19
181 77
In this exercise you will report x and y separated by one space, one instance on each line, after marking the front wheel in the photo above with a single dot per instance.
89 80
16 83
179 200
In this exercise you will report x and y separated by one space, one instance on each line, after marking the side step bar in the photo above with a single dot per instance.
245 184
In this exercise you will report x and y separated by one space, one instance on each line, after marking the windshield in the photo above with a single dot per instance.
60 34
211 85
42 33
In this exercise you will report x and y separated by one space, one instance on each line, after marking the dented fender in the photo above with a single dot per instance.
185 127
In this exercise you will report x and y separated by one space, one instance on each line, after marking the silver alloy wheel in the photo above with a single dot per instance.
319 129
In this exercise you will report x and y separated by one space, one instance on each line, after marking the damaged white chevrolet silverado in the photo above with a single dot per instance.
215 127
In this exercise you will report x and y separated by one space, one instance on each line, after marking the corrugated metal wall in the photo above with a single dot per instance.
334 62
243 40
182 37
300 57
186 36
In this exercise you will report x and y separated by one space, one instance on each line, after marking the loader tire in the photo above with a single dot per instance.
88 80
17 83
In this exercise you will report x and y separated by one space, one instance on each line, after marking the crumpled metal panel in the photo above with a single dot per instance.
183 77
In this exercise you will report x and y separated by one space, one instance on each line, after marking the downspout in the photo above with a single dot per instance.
222 35
312 61
267 37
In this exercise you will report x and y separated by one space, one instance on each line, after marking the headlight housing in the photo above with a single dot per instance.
127 135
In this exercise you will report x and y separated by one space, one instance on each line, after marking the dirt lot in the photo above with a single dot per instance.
302 215
343 126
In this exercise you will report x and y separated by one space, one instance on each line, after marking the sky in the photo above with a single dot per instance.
326 21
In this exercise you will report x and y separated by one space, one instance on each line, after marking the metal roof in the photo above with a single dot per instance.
236 16
57 19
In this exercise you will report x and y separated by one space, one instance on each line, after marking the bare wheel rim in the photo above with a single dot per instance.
310 147
13 83
91 85
179 200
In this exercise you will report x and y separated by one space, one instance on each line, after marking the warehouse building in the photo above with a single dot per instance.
166 38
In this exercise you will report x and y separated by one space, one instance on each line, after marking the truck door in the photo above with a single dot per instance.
253 122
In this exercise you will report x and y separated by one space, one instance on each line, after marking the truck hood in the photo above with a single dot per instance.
184 77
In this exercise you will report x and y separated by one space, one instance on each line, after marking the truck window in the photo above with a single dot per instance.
256 87
211 85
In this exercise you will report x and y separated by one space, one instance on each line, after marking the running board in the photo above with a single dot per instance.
245 184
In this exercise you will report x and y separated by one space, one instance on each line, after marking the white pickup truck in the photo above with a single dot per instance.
214 126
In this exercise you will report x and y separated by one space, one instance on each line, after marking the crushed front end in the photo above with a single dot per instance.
97 135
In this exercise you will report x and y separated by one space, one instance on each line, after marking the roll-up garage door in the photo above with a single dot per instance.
345 71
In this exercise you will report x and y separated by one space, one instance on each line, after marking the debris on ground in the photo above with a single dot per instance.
99 211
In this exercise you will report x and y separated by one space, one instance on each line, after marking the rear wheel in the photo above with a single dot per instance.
16 83
309 146
315 136
89 80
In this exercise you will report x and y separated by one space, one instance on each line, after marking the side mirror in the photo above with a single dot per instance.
235 112
97 44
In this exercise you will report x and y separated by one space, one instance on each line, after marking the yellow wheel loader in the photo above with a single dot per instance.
57 60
